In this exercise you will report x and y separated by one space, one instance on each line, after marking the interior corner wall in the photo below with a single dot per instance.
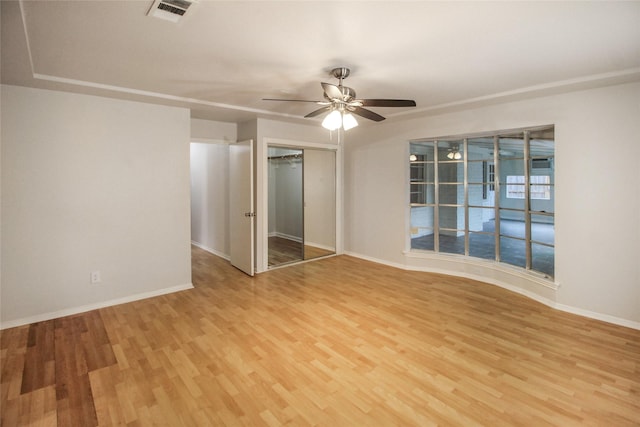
90 184
597 195
247 130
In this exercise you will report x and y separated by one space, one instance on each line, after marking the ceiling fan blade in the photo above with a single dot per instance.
332 91
292 100
367 114
387 102
318 112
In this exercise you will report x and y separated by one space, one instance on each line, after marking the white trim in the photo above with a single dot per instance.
377 260
211 250
597 316
156 95
531 276
591 81
546 301
84 308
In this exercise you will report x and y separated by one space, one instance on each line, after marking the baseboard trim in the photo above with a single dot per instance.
549 303
89 307
210 250
597 316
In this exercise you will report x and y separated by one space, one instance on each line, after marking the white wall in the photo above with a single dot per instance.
597 196
90 183
210 197
209 130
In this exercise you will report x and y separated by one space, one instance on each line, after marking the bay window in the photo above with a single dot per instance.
488 196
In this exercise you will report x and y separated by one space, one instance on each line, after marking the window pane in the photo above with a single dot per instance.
540 188
509 203
480 149
482 245
542 150
476 165
451 172
511 147
512 251
424 243
541 143
542 259
422 193
451 194
482 219
450 150
479 195
422 150
542 196
421 172
477 172
422 227
451 217
451 242
510 167
515 187
542 229
512 223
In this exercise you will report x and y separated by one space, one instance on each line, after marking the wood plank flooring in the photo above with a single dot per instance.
338 342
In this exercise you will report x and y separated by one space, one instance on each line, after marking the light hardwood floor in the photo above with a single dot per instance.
335 342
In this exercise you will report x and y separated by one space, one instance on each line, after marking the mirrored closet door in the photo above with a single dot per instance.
302 204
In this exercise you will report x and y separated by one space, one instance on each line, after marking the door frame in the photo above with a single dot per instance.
262 194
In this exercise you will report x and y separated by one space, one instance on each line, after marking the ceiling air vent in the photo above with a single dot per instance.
171 10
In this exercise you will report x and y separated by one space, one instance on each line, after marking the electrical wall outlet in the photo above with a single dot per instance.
95 277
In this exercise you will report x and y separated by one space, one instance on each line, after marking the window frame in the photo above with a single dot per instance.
462 143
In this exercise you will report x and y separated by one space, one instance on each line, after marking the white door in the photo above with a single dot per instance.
241 214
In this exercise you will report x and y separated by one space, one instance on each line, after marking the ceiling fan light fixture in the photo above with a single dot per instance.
348 121
333 120
341 102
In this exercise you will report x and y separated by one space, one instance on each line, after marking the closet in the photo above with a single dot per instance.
301 204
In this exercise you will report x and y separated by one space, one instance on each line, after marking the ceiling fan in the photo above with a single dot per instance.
340 101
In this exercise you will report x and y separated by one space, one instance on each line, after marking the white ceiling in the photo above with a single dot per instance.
225 56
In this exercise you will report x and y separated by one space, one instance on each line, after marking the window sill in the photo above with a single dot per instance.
533 276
